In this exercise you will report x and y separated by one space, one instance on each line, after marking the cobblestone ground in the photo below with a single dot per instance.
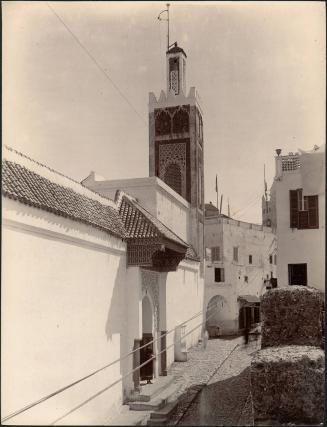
226 399
195 373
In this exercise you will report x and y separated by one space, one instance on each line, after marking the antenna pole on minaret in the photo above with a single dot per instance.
168 25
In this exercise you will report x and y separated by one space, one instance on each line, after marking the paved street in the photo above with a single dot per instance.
218 393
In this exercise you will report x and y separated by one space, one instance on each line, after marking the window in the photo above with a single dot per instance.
297 274
235 253
246 279
215 253
208 254
275 259
303 210
219 275
250 259
173 177
270 259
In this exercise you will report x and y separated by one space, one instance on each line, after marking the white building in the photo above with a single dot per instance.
240 263
88 278
297 203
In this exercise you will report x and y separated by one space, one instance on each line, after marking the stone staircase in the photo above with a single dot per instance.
156 400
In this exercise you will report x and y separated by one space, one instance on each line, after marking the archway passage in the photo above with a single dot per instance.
216 315
146 353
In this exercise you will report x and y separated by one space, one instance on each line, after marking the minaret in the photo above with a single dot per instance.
176 141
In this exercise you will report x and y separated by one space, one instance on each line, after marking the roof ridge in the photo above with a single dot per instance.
13 150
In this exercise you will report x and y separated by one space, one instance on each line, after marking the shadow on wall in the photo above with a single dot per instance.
116 323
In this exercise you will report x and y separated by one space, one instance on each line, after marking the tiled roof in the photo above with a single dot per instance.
139 223
25 185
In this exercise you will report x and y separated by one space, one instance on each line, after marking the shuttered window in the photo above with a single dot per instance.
293 208
304 212
313 221
215 251
235 253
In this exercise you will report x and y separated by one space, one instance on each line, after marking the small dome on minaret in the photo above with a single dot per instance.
176 70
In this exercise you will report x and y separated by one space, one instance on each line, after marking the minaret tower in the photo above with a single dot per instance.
176 141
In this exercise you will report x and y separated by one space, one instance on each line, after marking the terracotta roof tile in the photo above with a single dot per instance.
26 186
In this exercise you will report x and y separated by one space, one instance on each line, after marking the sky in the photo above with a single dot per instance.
259 68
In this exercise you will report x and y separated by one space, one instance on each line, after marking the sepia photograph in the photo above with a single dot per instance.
163 213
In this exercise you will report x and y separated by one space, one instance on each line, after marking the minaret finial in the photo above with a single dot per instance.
162 19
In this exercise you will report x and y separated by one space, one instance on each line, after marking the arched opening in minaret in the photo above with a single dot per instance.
173 177
181 121
163 123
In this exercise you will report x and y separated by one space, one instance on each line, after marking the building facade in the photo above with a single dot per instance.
240 263
92 271
297 199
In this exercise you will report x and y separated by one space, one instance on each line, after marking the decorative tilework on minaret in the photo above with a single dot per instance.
176 140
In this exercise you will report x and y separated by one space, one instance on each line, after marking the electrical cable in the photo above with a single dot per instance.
104 72
62 389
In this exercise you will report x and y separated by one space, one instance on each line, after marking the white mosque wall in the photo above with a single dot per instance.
184 301
63 301
155 196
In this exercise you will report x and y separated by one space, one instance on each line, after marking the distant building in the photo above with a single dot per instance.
240 265
297 202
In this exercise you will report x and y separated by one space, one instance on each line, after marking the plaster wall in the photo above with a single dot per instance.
64 316
298 246
154 196
184 300
241 277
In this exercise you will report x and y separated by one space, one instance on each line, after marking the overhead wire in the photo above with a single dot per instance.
126 375
94 60
62 389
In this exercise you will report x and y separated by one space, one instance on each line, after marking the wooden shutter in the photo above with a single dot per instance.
222 274
313 220
303 219
293 209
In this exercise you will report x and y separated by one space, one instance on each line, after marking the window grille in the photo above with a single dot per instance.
250 259
173 177
290 163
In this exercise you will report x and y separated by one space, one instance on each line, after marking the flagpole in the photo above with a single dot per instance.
168 26
217 192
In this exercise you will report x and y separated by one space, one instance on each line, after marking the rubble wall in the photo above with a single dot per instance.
287 384
292 316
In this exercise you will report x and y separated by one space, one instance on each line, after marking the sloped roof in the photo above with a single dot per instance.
22 183
139 223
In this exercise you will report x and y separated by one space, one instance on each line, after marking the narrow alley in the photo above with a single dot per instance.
220 394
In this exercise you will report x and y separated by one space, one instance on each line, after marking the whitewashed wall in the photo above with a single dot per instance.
298 246
251 240
64 312
155 196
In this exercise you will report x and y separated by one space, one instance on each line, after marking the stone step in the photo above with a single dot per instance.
164 413
129 418
149 391
157 402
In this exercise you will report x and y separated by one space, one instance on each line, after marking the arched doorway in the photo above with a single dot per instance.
216 315
146 353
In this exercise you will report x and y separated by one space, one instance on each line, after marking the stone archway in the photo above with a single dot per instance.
217 316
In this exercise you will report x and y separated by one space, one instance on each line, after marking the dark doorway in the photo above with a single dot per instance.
146 353
297 274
